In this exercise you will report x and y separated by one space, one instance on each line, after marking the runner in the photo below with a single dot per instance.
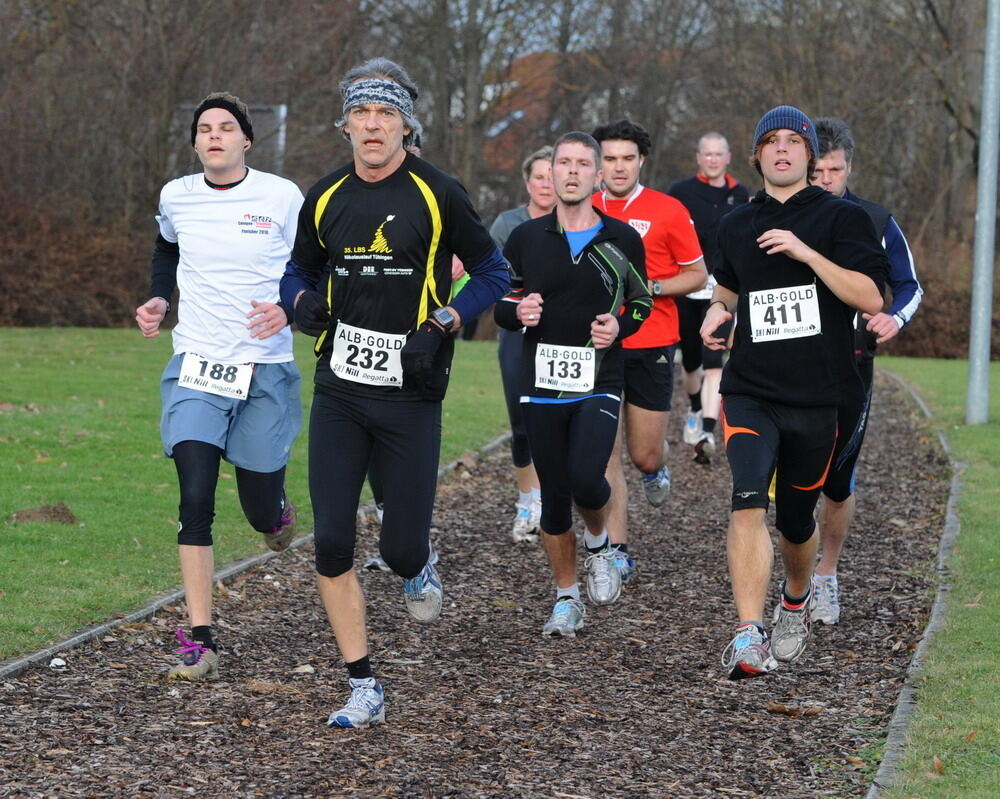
381 230
833 168
578 285
708 196
793 265
537 171
675 267
231 389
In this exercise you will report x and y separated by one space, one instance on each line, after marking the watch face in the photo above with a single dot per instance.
444 317
656 287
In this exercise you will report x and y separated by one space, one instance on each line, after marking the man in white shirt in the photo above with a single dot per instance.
231 389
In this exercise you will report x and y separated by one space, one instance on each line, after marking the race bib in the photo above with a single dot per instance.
213 377
705 293
367 356
779 314
559 368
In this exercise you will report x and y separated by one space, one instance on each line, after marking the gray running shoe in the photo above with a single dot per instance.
281 536
791 631
566 619
692 427
198 662
625 564
825 604
604 581
704 450
423 594
748 654
525 529
365 707
657 486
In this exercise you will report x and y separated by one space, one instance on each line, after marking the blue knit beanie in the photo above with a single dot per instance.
786 117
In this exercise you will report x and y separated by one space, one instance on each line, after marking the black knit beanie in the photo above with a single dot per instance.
219 101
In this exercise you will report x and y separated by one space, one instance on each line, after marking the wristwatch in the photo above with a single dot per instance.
444 317
657 288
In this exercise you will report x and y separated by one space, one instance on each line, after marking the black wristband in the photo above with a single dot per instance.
721 302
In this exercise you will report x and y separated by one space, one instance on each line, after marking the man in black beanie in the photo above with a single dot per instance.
794 264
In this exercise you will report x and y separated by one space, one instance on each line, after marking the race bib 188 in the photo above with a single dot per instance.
367 356
213 377
778 314
560 368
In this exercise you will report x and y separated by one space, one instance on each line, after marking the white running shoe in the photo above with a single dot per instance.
604 581
566 619
791 630
657 486
704 450
423 595
748 654
366 706
692 427
525 529
825 599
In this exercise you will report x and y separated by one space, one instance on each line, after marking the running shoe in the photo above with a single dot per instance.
379 511
525 529
692 427
198 662
748 654
825 604
366 706
423 594
566 619
791 630
280 537
657 486
704 450
604 581
625 564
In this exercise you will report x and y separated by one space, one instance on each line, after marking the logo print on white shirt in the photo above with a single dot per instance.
641 226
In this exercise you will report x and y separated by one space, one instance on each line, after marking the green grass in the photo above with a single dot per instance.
79 424
958 716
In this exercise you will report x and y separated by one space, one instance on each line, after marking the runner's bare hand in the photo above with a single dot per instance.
604 330
149 315
266 319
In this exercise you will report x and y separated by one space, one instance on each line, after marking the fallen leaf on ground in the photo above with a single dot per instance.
938 765
971 736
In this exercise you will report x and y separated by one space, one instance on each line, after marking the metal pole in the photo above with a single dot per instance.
977 403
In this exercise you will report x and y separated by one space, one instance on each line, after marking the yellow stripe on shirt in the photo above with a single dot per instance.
430 282
321 204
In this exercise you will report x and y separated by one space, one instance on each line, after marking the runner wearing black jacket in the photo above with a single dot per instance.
794 265
578 285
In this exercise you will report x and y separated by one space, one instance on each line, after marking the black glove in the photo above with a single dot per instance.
417 355
311 314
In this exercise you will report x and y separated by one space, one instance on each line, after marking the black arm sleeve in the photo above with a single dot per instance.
163 269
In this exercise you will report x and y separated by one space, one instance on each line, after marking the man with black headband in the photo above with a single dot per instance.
794 264
370 278
231 389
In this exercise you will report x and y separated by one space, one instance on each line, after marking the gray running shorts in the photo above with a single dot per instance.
256 433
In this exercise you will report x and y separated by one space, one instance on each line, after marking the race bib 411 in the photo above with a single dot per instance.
786 313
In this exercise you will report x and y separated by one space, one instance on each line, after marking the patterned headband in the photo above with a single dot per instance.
378 90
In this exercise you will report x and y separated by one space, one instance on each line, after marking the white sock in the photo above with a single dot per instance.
573 592
536 495
523 499
593 542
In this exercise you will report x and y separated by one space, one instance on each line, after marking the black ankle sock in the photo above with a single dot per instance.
695 402
360 669
622 547
708 424
203 635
